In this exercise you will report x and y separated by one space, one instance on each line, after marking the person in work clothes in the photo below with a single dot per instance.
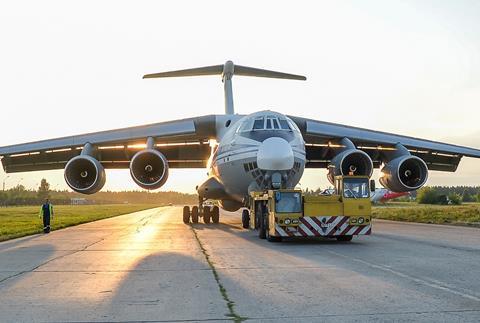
47 213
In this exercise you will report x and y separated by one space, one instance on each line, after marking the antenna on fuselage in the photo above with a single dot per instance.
227 71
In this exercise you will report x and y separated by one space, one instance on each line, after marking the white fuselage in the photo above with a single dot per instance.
254 148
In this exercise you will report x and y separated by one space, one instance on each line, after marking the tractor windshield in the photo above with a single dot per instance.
356 188
288 202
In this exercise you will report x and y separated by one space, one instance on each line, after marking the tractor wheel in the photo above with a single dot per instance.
262 227
245 219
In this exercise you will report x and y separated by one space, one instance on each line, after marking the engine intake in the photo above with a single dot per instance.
84 174
350 161
149 169
404 174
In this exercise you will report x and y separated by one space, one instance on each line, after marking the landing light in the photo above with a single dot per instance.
212 142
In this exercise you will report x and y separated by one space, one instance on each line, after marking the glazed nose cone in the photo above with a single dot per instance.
275 153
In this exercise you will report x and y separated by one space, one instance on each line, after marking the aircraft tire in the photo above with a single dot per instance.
245 219
344 238
186 214
195 214
215 214
206 215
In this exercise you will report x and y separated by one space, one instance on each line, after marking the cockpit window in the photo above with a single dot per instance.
269 123
284 124
293 126
258 124
275 124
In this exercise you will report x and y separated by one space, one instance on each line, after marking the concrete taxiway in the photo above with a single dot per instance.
149 266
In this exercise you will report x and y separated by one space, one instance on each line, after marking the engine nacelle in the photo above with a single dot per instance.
350 161
404 174
149 169
84 174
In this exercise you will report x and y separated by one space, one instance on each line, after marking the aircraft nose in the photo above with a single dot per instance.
275 153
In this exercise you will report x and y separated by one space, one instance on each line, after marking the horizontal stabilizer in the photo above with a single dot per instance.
199 71
227 68
257 72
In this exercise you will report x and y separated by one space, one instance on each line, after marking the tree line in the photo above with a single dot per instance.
448 194
19 195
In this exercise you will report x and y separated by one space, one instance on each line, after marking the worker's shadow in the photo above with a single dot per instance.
18 262
17 242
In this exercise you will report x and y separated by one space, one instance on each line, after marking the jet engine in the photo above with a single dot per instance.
84 174
350 161
404 173
149 169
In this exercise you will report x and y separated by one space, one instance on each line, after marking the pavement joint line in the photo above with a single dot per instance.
145 321
365 314
288 317
230 304
48 261
113 271
44 263
160 270
437 284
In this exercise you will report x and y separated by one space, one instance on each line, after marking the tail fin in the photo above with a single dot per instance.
227 71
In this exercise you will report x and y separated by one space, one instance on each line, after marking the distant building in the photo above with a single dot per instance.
78 201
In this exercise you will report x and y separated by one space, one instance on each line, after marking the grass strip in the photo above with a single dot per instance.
466 214
230 304
21 221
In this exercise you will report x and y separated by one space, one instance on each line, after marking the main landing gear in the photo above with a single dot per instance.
208 213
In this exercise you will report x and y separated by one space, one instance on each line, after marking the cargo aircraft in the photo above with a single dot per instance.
243 153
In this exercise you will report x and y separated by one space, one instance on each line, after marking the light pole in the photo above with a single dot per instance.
4 179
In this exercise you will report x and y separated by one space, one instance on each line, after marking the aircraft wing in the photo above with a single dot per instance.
183 142
322 140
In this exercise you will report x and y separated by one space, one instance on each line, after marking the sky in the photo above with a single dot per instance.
408 67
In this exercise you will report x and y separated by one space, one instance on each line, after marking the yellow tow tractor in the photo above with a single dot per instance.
284 213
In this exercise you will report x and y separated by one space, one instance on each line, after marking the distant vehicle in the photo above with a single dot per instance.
170 204
244 153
